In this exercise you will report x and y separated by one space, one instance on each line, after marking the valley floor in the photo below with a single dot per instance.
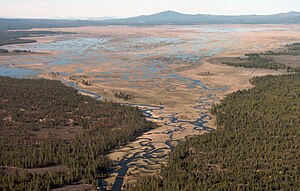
174 74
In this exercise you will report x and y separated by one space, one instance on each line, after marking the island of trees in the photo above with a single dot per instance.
256 146
268 59
44 123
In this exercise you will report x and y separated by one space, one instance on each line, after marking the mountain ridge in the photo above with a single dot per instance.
179 13
173 17
162 18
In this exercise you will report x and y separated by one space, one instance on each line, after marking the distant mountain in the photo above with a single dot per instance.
163 18
175 18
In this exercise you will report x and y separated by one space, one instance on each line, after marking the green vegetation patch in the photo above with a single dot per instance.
294 46
16 37
124 96
256 61
267 59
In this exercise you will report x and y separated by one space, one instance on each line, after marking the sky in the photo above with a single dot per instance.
128 8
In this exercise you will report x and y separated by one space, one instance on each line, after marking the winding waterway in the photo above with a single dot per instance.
146 62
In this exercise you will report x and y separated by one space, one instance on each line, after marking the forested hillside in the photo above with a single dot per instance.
31 107
256 146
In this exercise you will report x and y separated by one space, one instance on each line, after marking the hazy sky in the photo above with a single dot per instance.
127 8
